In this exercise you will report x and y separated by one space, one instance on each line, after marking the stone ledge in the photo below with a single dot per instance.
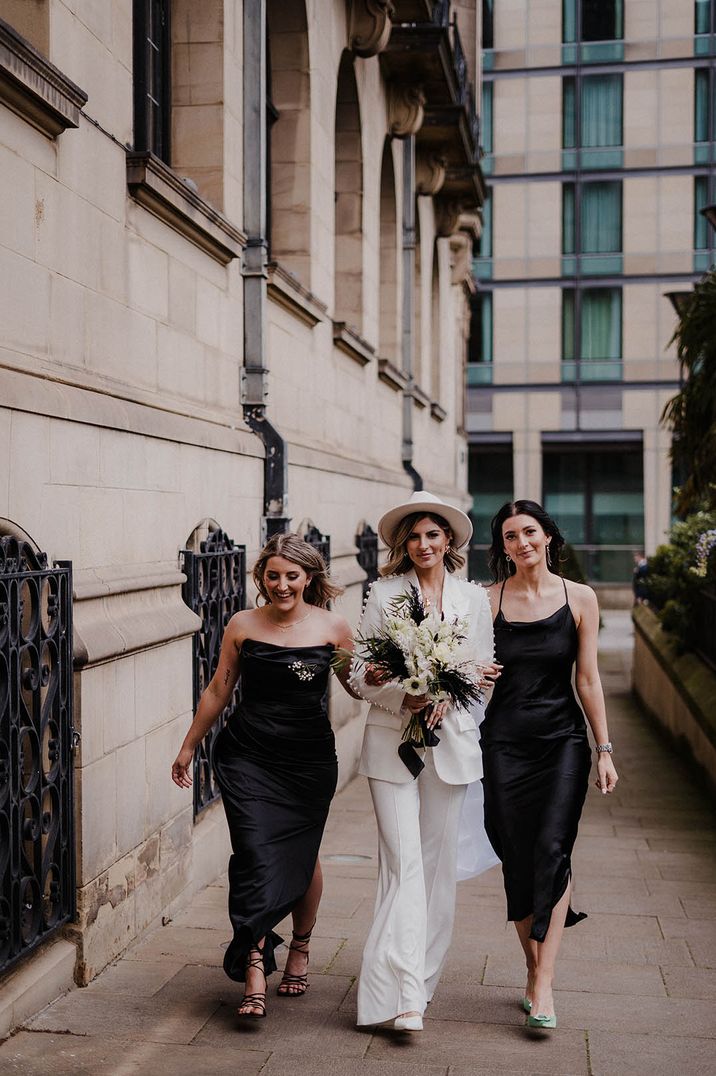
162 192
391 375
35 982
678 690
347 340
437 412
34 88
116 616
289 293
420 397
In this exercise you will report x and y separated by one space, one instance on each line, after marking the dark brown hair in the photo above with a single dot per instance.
500 566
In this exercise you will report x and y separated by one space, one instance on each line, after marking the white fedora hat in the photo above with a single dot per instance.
422 501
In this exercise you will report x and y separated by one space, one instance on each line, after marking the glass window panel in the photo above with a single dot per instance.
702 11
568 324
602 20
701 105
569 21
701 225
480 343
490 480
601 217
568 218
601 323
486 116
601 110
488 24
569 127
485 240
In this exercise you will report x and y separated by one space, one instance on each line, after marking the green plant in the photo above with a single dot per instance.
691 414
672 581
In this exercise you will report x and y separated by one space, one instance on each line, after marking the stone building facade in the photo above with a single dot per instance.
235 250
598 132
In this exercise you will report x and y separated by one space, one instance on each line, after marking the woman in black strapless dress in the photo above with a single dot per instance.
275 761
535 749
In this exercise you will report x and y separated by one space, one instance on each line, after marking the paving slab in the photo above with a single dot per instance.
621 1054
636 981
28 1054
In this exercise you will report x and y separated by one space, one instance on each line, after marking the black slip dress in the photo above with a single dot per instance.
536 763
275 763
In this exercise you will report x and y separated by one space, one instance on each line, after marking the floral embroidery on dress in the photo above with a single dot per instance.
303 671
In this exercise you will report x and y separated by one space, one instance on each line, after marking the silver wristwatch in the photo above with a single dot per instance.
605 747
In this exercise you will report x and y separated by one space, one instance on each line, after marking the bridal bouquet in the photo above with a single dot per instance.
424 652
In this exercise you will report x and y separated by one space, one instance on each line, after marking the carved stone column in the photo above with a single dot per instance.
369 26
406 109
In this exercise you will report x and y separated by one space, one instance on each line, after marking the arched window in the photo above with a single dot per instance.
389 335
289 94
348 229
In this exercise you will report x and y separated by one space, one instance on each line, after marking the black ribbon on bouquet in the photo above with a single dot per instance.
406 750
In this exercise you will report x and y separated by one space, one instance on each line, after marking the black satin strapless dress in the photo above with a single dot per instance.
536 760
275 763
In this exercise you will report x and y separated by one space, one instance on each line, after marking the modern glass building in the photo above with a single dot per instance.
599 135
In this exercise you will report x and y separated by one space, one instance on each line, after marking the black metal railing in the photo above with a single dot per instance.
367 555
37 866
322 542
705 625
215 589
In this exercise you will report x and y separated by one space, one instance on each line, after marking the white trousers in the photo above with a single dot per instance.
415 903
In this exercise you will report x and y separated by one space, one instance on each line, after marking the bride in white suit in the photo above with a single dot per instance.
417 818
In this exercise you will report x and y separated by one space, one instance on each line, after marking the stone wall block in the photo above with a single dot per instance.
105 918
209 310
197 22
164 799
74 454
24 304
121 343
117 716
180 369
197 132
148 278
17 214
131 797
97 798
162 686
67 322
182 296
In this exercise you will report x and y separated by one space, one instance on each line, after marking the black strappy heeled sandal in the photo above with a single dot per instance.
255 1000
295 986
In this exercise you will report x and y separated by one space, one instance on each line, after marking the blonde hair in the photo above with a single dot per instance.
292 547
399 561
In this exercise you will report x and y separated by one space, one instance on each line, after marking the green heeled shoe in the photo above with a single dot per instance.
527 1005
541 1021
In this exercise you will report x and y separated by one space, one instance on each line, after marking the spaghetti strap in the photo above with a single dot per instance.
502 591
566 596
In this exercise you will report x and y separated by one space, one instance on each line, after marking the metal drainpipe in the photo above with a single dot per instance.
254 269
408 248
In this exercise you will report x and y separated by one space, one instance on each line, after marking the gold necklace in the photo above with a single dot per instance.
293 624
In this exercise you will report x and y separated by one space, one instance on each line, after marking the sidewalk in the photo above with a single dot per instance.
636 981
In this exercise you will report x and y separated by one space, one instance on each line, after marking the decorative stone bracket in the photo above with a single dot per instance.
429 173
406 109
369 26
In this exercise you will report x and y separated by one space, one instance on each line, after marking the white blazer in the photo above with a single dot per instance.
458 760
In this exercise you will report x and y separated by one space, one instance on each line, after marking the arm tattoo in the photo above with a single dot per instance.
226 677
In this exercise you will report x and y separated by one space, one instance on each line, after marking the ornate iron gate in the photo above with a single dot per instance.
37 867
322 542
215 588
367 555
